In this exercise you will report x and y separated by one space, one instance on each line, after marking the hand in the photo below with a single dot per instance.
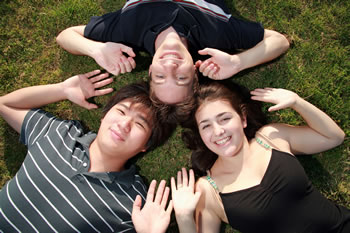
280 97
220 66
153 218
184 198
111 57
81 87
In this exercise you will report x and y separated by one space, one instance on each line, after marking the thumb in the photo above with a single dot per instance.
128 50
87 105
275 107
136 208
206 51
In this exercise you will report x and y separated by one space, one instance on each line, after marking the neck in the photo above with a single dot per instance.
101 161
168 33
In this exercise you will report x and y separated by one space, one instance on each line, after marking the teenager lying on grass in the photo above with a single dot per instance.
71 181
250 177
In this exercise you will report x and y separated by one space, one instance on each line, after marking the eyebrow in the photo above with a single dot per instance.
217 116
139 115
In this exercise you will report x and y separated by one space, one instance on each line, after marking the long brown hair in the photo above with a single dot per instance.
239 97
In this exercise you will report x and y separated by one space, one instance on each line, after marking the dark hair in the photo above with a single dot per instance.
177 113
239 97
139 93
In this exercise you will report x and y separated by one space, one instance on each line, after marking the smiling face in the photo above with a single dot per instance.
220 127
172 72
125 129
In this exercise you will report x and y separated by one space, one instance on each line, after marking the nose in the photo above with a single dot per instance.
170 65
218 130
125 124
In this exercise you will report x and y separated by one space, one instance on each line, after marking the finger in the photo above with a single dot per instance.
151 189
213 73
173 185
92 73
184 177
208 69
122 65
103 91
103 83
204 65
136 207
170 208
132 62
160 192
192 179
99 77
198 63
165 197
179 179
128 50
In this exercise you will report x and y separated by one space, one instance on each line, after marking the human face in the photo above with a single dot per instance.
172 72
220 127
125 129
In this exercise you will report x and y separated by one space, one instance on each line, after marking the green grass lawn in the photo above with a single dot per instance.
316 67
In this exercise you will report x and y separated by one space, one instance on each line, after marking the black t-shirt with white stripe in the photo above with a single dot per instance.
53 190
202 23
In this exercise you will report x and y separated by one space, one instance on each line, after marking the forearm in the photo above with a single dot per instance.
272 46
186 225
72 39
319 121
15 105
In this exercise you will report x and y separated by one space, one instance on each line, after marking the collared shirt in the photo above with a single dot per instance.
53 191
203 24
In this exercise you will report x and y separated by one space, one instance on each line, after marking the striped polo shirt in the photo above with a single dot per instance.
53 190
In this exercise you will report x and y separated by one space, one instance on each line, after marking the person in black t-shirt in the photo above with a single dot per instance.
173 32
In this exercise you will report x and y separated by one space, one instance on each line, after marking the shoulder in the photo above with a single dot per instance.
275 135
210 202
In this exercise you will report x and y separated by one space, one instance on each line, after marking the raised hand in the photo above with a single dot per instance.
153 218
220 65
183 194
280 97
111 56
81 87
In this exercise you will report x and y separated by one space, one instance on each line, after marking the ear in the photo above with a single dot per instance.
244 121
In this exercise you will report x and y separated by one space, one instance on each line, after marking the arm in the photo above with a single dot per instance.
15 105
108 55
153 218
222 65
321 132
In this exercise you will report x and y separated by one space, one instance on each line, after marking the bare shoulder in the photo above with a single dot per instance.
276 135
210 201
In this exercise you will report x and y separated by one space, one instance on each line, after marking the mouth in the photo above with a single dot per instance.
116 135
171 55
223 141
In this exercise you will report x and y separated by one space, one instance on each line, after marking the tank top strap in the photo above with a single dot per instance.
265 141
211 181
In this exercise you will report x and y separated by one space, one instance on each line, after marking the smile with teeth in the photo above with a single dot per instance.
223 141
171 55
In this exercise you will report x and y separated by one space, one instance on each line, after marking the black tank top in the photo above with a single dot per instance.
284 202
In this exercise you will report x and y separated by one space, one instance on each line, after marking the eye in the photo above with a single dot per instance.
182 78
121 111
205 127
140 125
159 76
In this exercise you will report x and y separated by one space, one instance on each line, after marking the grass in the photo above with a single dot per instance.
316 67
